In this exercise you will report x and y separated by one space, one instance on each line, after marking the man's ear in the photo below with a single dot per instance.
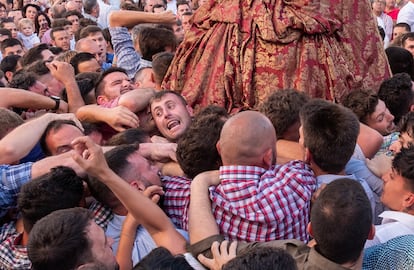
152 78
190 110
9 75
218 147
371 232
268 158
308 156
309 228
409 201
138 185
101 99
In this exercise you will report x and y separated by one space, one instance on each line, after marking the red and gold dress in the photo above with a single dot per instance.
239 51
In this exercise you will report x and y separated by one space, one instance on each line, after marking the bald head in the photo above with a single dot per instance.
248 138
89 46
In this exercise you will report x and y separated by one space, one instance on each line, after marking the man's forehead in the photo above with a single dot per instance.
114 76
169 97
95 35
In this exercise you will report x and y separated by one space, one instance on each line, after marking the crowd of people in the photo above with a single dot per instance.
168 134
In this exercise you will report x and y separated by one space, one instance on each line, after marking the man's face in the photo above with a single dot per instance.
378 6
144 80
74 5
171 116
150 174
101 42
59 141
47 55
178 32
16 15
61 40
149 4
116 84
11 26
101 246
381 119
13 50
409 45
395 190
92 48
75 22
186 21
398 31
54 86
91 65
182 9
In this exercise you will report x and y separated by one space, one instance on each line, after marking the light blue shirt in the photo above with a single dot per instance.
143 244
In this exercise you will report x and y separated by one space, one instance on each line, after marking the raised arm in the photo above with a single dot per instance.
143 209
20 141
129 18
65 73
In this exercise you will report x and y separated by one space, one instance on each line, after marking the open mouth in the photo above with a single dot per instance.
172 124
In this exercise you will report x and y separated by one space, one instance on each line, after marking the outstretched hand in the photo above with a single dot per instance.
222 253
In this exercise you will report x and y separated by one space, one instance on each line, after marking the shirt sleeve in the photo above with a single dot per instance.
12 179
127 57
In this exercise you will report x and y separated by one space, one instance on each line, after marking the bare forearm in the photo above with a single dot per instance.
19 141
75 100
91 113
128 18
136 100
126 243
201 220
11 97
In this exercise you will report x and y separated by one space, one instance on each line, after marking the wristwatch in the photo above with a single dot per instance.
57 100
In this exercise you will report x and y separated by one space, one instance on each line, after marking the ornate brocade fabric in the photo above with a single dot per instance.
239 51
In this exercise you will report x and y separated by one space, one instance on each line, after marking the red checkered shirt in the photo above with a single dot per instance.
177 200
251 203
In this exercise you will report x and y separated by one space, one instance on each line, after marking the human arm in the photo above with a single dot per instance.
124 50
12 97
119 117
20 141
201 222
129 18
65 73
136 100
143 209
13 177
126 243
129 229
162 152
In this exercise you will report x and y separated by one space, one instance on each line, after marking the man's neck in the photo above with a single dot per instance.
357 265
